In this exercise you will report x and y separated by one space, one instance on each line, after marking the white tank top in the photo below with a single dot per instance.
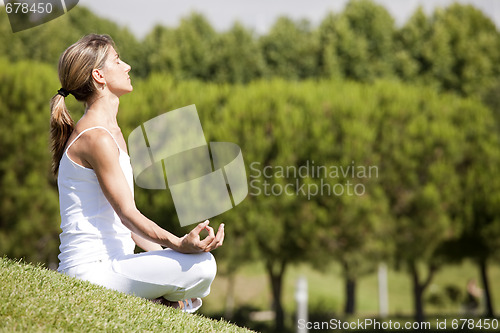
91 230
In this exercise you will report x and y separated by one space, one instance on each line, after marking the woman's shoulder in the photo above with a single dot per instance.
98 147
98 137
92 138
90 144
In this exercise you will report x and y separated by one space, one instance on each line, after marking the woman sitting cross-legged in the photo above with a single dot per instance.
99 220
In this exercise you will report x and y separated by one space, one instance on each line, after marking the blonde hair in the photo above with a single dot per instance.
75 74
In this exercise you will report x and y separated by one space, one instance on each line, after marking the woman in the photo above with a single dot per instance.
99 221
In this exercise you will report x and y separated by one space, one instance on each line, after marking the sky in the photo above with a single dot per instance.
259 15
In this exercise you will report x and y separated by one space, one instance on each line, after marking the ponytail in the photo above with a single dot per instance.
61 127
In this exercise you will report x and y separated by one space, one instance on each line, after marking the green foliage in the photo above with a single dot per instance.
184 51
373 32
328 58
188 52
29 219
410 44
475 43
420 149
236 57
480 200
290 49
457 49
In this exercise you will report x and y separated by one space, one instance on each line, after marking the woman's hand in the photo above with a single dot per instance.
191 243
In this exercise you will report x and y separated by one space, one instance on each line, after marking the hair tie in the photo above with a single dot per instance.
63 92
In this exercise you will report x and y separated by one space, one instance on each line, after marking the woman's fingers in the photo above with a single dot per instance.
217 240
195 236
208 240
200 227
222 234
210 231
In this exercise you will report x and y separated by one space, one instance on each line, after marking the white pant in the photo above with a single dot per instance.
173 275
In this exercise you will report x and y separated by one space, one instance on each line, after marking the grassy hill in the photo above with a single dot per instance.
35 299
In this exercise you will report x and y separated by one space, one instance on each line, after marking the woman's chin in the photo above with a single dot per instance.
125 91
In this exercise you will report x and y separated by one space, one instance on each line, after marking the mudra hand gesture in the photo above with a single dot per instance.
192 243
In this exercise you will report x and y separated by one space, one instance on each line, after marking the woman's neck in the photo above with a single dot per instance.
104 109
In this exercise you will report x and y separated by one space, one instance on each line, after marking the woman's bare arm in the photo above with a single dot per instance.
145 244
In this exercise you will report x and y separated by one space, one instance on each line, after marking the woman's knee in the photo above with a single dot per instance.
209 267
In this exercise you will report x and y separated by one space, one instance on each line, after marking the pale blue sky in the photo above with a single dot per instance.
141 15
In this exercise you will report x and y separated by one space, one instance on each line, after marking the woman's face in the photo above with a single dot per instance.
115 72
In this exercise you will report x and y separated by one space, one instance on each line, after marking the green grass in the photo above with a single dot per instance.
35 299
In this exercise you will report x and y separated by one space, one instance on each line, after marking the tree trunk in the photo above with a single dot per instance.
276 273
484 278
418 290
417 295
350 290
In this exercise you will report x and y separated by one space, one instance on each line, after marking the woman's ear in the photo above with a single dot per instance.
98 76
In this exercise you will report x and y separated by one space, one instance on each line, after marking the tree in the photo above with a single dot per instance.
421 149
410 43
186 52
457 49
279 223
352 52
367 40
328 58
290 49
193 42
480 200
163 55
474 43
358 220
236 57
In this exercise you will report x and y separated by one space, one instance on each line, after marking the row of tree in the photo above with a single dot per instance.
432 186
454 49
